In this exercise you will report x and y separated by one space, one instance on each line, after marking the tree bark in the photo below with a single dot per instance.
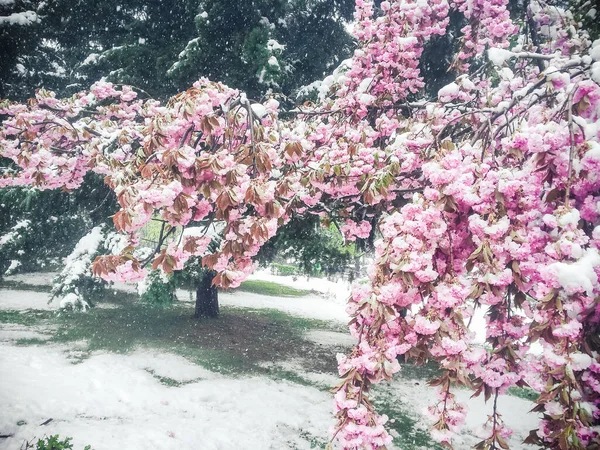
207 297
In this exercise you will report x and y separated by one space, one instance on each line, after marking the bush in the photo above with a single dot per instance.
159 289
52 443
284 269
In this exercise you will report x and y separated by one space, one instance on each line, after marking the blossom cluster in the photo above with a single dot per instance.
485 198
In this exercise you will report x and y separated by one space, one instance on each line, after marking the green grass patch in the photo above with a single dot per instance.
285 269
422 373
314 441
170 381
271 289
22 286
28 317
25 342
406 433
240 341
524 393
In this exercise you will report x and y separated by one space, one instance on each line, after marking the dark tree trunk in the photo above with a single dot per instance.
207 297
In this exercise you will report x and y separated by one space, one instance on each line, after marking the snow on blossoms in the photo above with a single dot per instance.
483 196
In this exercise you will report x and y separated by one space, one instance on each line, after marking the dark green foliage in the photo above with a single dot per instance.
52 443
139 42
315 250
55 222
285 269
583 11
159 290
272 289
231 43
27 61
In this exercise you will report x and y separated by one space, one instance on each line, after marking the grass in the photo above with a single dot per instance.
170 381
237 342
28 317
403 423
271 289
240 342
20 285
524 393
24 342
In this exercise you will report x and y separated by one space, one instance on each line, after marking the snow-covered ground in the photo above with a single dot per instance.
119 402
115 402
329 305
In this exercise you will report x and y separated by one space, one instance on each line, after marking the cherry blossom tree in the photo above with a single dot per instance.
484 198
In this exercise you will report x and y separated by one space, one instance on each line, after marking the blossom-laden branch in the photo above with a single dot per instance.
485 198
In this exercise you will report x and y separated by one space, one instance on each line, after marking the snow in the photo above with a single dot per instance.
596 72
498 56
570 218
11 299
273 45
13 234
310 306
415 396
12 332
72 301
79 261
118 401
365 84
22 18
273 62
339 290
330 338
366 99
34 279
329 304
259 110
580 275
114 401
13 265
338 76
448 92
595 50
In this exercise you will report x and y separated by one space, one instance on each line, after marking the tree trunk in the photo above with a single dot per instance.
207 297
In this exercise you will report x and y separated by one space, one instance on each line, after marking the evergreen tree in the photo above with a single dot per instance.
162 47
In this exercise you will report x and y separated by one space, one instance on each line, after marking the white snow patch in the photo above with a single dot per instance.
339 290
73 301
21 300
259 110
310 306
448 92
416 396
570 218
22 18
169 365
35 278
595 50
596 72
330 338
78 263
110 402
579 275
498 56
12 332
13 265
273 45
